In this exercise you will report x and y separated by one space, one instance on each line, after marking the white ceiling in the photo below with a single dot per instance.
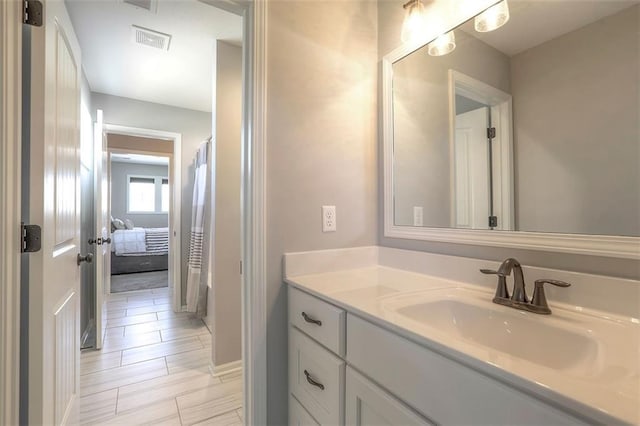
139 159
179 77
534 22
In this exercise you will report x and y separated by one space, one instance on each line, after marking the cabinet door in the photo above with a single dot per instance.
369 405
298 416
316 379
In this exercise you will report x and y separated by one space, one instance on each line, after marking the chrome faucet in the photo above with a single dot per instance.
519 298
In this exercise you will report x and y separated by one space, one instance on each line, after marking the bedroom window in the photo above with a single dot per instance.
147 194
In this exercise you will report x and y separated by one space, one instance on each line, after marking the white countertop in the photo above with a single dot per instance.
609 394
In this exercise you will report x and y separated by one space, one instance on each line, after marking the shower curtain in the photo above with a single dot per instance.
196 277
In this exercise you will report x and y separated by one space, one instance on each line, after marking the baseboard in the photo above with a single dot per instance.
221 370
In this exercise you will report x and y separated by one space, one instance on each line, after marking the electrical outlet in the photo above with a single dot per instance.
328 218
418 214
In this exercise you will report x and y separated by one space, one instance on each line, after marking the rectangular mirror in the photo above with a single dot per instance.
531 127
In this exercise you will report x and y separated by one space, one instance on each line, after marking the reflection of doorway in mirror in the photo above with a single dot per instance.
481 152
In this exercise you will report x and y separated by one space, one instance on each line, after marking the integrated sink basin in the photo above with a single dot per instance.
518 335
559 341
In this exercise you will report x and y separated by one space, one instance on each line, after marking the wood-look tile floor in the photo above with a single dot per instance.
154 369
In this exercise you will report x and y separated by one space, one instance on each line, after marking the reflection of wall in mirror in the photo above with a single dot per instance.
421 131
577 140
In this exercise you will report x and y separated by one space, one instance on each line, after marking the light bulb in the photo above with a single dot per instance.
492 18
414 26
442 45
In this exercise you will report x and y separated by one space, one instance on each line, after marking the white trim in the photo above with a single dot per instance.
175 215
10 203
253 198
254 228
224 369
595 245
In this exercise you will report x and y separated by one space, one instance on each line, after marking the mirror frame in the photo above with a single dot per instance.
583 244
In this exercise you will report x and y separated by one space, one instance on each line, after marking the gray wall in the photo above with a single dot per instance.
389 25
578 168
195 127
321 147
224 297
119 172
421 131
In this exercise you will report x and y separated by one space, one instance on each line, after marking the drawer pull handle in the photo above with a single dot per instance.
307 318
313 382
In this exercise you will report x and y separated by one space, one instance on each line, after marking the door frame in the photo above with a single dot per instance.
254 130
175 179
10 203
253 203
500 104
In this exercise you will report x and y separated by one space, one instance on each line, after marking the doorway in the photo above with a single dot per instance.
254 327
144 324
140 200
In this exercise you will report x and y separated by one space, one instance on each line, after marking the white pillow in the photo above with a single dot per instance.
118 224
128 224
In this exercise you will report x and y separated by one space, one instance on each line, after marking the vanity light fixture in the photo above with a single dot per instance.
415 24
442 45
492 18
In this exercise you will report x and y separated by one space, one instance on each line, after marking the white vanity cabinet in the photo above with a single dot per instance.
384 378
298 416
316 360
322 389
368 404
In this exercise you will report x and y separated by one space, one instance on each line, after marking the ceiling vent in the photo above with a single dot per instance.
150 38
150 5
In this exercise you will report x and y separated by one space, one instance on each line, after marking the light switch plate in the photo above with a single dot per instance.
328 218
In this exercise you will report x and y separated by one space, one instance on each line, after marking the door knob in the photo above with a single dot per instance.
107 240
86 258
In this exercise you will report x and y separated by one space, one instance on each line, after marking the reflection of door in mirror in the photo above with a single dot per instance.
482 150
472 171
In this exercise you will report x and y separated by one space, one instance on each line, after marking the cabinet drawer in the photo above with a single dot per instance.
439 388
298 416
368 404
318 319
316 379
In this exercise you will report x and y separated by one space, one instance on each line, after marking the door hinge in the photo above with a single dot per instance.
31 238
491 132
493 221
241 267
32 12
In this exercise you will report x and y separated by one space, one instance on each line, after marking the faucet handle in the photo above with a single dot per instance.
539 300
501 291
558 283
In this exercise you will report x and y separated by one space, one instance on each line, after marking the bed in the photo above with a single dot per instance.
139 250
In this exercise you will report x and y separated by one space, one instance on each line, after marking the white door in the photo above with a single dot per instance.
103 224
472 172
54 203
